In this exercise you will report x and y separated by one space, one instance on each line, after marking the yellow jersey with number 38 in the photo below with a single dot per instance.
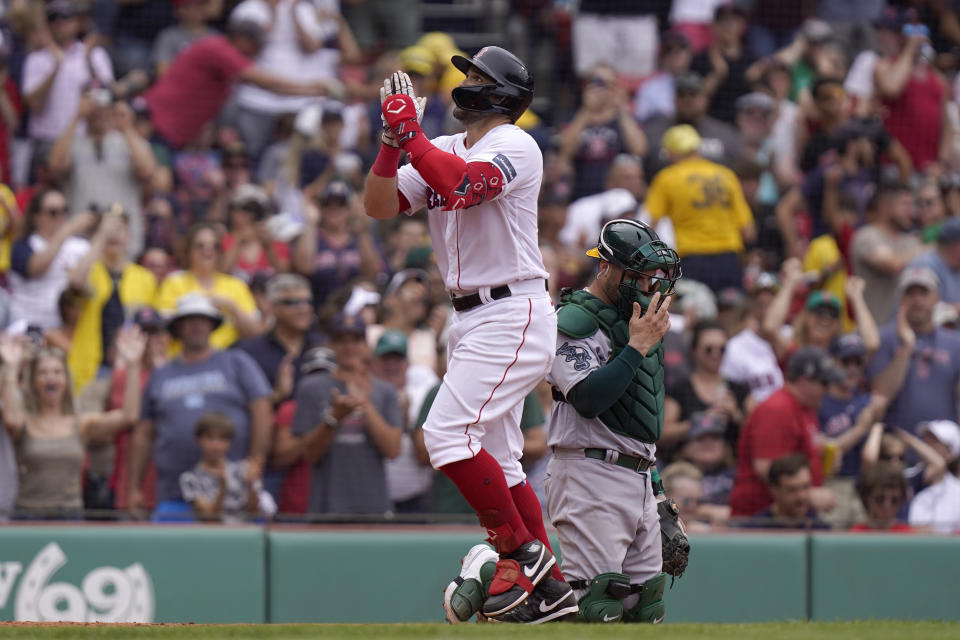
705 202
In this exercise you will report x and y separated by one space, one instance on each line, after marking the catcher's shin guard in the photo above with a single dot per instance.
649 608
603 600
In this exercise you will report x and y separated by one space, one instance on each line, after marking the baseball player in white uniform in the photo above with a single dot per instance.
480 189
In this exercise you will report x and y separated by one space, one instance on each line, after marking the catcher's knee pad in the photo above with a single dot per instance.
603 600
649 608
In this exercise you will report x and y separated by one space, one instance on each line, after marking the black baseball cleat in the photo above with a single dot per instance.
550 600
516 576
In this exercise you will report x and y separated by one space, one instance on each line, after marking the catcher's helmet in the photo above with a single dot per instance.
633 246
509 94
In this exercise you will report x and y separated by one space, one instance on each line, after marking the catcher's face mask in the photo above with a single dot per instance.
648 264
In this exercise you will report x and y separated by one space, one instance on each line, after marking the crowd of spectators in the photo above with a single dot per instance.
201 323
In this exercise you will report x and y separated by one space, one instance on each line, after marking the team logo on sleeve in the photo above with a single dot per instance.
503 163
579 356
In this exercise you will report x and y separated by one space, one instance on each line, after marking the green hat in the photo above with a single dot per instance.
821 298
419 257
393 341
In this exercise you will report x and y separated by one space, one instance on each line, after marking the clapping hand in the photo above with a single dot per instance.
131 343
397 84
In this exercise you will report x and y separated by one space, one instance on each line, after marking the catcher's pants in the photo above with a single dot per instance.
496 354
606 518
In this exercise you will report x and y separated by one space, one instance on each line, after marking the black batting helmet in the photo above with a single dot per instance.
512 88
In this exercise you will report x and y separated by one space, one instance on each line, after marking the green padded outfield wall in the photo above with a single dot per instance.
741 577
182 573
195 573
885 576
319 576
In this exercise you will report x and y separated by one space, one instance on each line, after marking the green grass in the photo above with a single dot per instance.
865 630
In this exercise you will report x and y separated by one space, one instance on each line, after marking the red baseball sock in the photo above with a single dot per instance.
480 480
529 507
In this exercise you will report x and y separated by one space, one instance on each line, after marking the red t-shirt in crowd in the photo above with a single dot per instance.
900 527
778 427
295 491
5 134
915 118
118 479
195 88
246 269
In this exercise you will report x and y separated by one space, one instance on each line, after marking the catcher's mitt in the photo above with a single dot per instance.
673 537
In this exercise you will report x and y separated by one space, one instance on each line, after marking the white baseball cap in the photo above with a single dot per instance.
947 432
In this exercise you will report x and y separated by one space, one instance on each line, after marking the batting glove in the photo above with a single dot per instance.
396 85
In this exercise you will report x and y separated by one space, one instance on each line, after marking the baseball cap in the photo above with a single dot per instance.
813 362
317 358
336 191
250 194
704 424
947 432
148 319
731 298
417 59
674 40
347 324
403 276
419 257
393 341
891 19
949 231
689 82
918 277
820 298
765 281
756 100
847 346
61 9
680 139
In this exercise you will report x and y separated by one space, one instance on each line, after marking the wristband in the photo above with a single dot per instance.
385 165
329 420
656 482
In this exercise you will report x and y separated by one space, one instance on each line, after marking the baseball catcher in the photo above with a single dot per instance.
619 533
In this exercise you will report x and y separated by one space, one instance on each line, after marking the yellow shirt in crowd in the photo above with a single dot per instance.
138 287
180 283
7 224
822 254
705 202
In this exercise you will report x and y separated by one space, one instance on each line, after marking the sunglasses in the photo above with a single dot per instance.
852 362
830 311
294 302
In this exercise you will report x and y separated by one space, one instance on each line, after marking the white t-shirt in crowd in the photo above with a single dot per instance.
282 54
494 242
34 300
938 506
64 97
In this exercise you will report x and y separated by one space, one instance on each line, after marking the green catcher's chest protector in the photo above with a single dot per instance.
638 413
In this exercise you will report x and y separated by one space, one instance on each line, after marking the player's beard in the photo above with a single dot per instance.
468 117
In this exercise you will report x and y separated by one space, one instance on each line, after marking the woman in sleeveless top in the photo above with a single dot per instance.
50 434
